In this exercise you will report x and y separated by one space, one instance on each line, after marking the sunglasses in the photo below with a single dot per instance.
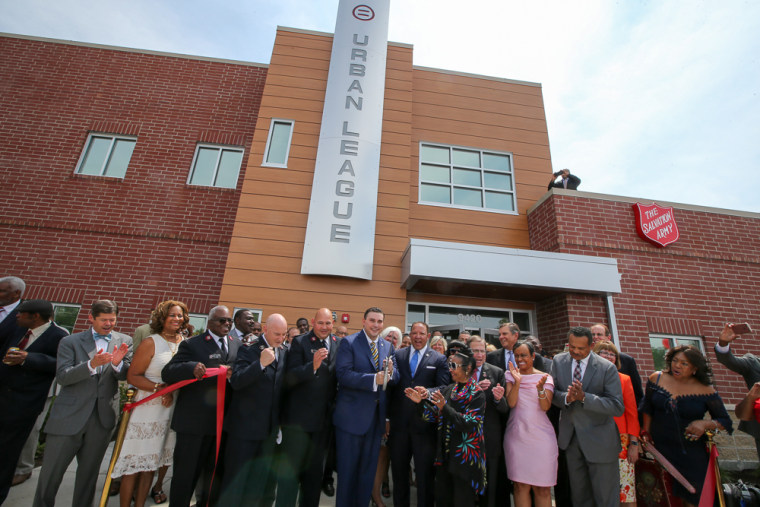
224 320
453 365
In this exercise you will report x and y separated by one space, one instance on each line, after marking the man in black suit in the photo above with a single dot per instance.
11 290
491 381
25 377
509 333
310 387
568 181
627 363
410 436
748 366
194 418
253 418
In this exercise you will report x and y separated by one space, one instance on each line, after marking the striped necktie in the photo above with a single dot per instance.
375 355
577 372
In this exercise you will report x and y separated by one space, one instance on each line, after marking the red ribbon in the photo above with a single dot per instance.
707 497
221 383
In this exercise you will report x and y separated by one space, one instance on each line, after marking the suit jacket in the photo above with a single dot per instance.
629 367
195 410
748 366
495 416
24 387
496 358
572 183
356 400
254 412
10 332
628 423
82 392
432 371
309 396
592 421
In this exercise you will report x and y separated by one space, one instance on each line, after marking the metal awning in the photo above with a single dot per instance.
427 260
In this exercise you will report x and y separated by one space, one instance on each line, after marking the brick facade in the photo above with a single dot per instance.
710 276
140 239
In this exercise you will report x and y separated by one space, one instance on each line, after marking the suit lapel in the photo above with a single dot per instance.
87 342
333 348
588 375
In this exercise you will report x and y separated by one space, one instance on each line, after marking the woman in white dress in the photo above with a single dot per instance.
149 442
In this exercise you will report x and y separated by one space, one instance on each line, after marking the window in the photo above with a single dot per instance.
661 343
65 315
216 166
466 178
278 143
106 155
198 321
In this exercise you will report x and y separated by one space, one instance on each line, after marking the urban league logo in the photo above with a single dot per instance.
363 13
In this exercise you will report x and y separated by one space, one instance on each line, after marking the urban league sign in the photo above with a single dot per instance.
656 224
340 232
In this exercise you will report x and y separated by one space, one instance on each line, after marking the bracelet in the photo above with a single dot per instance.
155 388
542 391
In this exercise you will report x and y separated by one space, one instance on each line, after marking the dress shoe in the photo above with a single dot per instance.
328 488
18 479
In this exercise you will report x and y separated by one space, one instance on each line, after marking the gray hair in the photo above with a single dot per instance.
16 283
216 309
388 331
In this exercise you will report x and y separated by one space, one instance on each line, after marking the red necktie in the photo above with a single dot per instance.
25 340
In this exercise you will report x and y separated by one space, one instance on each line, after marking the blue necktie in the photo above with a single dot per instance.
415 360
106 337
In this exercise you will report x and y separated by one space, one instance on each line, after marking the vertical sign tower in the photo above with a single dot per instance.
340 232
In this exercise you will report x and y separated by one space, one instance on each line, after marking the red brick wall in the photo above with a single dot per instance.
74 238
692 287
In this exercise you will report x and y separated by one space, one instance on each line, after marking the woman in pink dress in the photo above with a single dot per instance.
529 432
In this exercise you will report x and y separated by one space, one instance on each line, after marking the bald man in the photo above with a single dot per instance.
310 387
252 420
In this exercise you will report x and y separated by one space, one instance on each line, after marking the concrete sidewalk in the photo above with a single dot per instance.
23 494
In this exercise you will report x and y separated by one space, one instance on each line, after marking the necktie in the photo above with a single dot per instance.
510 359
415 360
25 340
223 347
375 356
577 371
476 374
106 337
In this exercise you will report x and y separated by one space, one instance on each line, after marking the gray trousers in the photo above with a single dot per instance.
592 484
88 446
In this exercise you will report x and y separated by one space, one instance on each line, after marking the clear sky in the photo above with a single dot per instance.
655 99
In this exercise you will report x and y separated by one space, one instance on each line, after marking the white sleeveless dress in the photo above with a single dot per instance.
149 442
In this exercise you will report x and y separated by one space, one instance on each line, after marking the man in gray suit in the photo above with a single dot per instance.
89 367
588 393
748 366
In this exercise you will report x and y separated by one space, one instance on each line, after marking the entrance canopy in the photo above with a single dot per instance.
427 263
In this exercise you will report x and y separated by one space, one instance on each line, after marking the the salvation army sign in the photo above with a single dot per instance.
656 224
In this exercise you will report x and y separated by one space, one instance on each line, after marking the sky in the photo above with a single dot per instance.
658 100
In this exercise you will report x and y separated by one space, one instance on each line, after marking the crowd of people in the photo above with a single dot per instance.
466 425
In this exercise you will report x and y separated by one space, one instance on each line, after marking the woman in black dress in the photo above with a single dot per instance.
674 407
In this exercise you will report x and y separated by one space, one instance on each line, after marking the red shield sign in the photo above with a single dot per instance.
656 224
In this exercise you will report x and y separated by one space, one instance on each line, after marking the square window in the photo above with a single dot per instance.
65 315
278 143
198 321
660 344
216 166
106 155
466 178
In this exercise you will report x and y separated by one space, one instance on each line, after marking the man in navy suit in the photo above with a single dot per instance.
253 418
509 333
409 435
25 378
194 418
310 387
360 409
11 290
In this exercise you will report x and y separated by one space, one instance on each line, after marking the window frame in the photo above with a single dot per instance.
267 147
114 138
204 316
67 305
451 185
673 343
221 149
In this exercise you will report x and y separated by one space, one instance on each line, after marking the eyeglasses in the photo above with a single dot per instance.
224 320
453 365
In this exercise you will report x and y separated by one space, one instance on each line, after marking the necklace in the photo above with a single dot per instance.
173 345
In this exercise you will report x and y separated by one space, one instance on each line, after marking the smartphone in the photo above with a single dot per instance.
741 328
